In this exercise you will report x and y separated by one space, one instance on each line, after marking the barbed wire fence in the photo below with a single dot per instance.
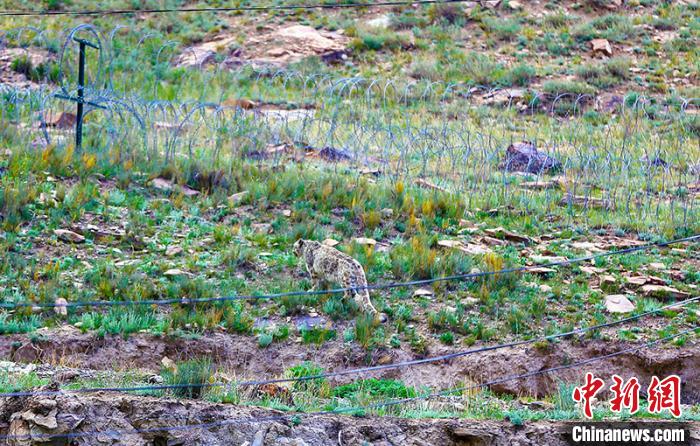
644 167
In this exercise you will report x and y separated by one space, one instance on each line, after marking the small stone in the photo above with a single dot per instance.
173 250
423 292
365 241
607 282
450 243
265 228
168 364
470 301
174 272
387 213
237 198
331 242
657 266
384 359
287 212
540 260
507 235
663 292
61 307
586 246
618 303
69 236
188 191
515 5
544 288
162 184
383 21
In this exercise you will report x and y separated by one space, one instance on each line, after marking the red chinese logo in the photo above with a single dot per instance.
626 395
665 394
586 392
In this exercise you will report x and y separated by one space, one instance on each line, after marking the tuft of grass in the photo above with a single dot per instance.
375 389
317 335
195 372
502 29
19 324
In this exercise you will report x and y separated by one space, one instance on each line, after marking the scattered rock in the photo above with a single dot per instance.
541 270
618 303
311 322
188 191
61 307
175 272
330 242
607 282
601 47
168 364
428 185
423 292
382 21
237 198
491 241
162 184
586 246
168 186
244 104
586 202
173 250
590 270
69 236
276 47
334 155
365 241
515 5
506 96
612 4
540 185
544 288
524 157
542 260
508 235
468 248
265 228
387 213
450 243
62 121
663 292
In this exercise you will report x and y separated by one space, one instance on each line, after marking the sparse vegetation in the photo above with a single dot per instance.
392 151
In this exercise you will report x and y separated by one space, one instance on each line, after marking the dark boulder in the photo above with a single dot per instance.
524 157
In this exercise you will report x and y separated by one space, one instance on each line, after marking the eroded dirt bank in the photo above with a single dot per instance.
117 419
241 356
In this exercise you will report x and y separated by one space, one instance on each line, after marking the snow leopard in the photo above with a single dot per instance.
325 263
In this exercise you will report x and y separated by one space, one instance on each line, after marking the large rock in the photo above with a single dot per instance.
524 157
280 46
618 303
601 47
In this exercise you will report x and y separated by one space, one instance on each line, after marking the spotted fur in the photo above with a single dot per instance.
325 263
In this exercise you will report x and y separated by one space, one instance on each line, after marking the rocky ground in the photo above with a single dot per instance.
140 421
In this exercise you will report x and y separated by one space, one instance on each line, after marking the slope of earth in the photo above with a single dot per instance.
136 421
239 358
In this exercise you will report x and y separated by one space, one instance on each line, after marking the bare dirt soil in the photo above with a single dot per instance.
135 421
242 358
